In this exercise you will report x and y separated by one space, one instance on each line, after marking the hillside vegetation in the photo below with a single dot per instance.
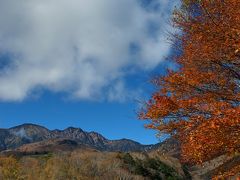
88 164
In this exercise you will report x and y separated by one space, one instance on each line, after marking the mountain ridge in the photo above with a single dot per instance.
28 133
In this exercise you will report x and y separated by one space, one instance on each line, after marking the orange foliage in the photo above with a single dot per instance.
232 173
200 103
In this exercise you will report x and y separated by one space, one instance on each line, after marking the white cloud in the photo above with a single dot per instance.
21 133
77 46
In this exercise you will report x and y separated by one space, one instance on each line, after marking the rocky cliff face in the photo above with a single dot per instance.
30 133
23 134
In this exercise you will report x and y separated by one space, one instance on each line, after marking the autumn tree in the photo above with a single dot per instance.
200 103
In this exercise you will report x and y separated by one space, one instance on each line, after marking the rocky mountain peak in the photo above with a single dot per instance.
28 125
73 129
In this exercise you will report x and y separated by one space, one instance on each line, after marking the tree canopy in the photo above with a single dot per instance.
200 103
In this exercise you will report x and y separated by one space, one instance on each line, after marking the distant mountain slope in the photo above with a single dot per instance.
30 133
170 146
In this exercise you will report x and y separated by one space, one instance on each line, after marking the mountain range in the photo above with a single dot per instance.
20 138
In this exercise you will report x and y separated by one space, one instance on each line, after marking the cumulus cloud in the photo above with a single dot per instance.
81 47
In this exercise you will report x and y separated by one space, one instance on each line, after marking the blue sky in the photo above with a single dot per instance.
81 63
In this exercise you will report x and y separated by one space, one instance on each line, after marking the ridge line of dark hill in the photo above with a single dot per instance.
28 133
